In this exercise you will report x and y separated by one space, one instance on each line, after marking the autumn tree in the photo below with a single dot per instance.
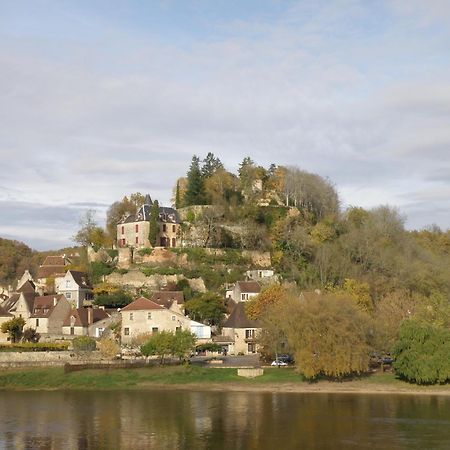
269 296
90 233
14 328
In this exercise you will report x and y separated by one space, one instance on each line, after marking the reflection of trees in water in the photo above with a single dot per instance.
203 420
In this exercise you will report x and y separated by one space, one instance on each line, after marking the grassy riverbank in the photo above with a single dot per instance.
273 380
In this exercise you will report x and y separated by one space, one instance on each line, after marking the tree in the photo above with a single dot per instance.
356 290
13 328
154 226
271 295
30 335
422 353
90 233
211 165
115 299
160 344
183 343
208 307
328 335
119 210
195 194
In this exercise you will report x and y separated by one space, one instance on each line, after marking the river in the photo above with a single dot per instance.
171 419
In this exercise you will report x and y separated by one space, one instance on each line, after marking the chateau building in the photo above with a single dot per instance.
133 230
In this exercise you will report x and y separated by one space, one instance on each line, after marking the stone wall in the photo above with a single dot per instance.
19 359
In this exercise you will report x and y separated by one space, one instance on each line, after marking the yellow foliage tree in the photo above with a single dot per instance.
271 295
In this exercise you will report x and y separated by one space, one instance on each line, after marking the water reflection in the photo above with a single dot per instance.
221 420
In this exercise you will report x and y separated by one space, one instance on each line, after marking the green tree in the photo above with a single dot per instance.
208 308
84 344
30 335
14 328
211 165
183 344
195 193
160 344
422 353
154 226
115 299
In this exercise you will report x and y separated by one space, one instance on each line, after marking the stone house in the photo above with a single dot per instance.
75 287
20 304
244 290
48 314
144 316
261 275
133 230
5 316
52 267
87 321
172 300
239 333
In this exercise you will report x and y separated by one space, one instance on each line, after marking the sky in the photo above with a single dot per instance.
100 99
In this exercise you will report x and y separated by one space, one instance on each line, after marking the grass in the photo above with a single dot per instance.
98 379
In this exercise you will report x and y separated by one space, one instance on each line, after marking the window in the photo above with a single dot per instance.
37 323
67 283
123 230
68 295
137 240
126 331
164 227
72 331
154 329
173 228
251 348
174 242
131 316
137 228
173 317
249 334
149 315
244 296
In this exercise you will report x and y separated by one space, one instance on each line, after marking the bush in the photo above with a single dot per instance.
117 299
145 251
98 270
109 348
422 353
121 271
34 347
84 344
209 347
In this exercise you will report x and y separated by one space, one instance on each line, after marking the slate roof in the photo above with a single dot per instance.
9 303
249 286
82 317
44 306
238 318
166 298
28 286
4 313
81 279
141 304
166 214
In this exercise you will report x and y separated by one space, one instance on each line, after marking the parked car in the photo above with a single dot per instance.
279 362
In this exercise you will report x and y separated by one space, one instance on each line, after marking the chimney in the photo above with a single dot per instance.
90 314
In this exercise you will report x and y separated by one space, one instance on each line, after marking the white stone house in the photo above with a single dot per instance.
75 287
48 314
245 290
87 321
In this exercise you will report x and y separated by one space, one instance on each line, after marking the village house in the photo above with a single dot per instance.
172 300
133 230
51 268
243 291
75 287
87 321
261 275
239 333
48 315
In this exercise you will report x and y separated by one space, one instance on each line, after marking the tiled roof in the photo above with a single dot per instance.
44 306
50 271
249 286
54 261
9 303
238 318
28 286
82 317
141 304
4 313
81 279
166 298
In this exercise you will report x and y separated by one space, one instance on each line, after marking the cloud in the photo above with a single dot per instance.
96 106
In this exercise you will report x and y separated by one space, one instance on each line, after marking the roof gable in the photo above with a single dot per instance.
239 319
167 298
249 286
142 304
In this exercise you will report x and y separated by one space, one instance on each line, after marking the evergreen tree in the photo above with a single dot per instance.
154 216
177 196
195 194
211 165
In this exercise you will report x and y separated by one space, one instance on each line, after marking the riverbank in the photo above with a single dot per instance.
197 378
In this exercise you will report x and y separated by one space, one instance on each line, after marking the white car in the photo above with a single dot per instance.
278 362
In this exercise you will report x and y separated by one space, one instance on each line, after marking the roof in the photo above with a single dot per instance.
44 306
50 271
80 278
4 313
238 318
229 304
9 303
249 286
141 304
166 298
28 286
82 317
166 215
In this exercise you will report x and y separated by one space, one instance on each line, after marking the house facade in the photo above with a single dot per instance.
87 321
133 230
143 316
244 291
48 314
75 287
239 333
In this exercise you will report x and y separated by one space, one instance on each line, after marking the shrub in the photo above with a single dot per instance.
145 251
84 344
208 347
30 335
34 347
109 348
121 271
117 299
98 270
422 353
